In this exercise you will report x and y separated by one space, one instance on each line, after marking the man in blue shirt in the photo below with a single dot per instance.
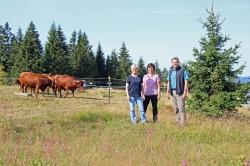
178 89
134 90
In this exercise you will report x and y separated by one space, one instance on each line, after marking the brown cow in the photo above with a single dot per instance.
34 81
22 87
32 90
65 82
51 77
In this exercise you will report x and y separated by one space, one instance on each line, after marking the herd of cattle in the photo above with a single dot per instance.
57 82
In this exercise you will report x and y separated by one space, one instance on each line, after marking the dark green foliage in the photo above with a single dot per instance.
84 59
31 51
114 66
16 54
20 53
50 54
56 58
72 52
157 68
164 74
62 52
3 75
108 66
100 62
2 47
142 67
92 71
213 72
6 37
124 62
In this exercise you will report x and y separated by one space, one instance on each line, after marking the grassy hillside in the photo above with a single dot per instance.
86 130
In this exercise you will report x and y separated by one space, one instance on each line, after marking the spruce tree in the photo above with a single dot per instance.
213 72
6 38
62 53
100 62
2 48
141 65
50 55
114 60
10 38
124 62
85 65
56 58
31 51
157 68
80 59
15 56
164 74
72 52
92 71
108 66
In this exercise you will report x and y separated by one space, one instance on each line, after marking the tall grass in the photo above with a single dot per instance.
86 130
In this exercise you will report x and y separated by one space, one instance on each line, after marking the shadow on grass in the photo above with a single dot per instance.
237 116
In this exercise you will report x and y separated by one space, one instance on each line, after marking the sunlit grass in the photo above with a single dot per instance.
86 130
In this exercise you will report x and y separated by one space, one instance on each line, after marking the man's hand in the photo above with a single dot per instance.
184 96
128 97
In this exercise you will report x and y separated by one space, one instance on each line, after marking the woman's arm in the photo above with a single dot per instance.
127 90
159 88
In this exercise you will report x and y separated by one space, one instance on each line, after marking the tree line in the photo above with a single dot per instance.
213 72
20 53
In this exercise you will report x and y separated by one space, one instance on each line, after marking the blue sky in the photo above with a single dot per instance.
153 29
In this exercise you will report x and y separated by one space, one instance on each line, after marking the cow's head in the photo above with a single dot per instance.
18 81
79 84
51 77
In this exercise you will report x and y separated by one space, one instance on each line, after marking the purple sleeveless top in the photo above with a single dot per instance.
150 84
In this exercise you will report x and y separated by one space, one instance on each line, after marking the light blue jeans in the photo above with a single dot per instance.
139 102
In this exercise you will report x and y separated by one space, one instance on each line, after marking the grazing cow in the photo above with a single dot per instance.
51 77
34 81
66 82
22 87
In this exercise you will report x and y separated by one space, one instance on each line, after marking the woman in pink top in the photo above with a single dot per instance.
151 84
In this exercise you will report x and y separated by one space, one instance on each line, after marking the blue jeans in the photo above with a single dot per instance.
139 102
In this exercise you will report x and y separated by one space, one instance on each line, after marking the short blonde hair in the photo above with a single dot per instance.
134 66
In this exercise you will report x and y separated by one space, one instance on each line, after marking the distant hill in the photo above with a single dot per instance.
244 80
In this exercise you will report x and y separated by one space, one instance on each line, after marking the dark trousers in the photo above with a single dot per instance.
154 101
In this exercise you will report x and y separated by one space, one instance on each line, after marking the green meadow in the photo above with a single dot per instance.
87 130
